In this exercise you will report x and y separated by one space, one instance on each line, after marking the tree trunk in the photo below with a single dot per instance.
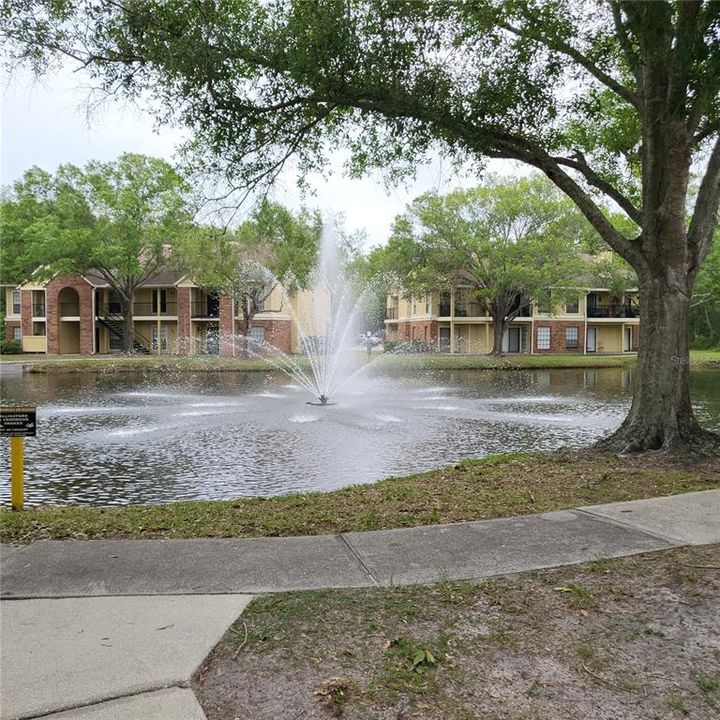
499 326
661 416
128 334
247 318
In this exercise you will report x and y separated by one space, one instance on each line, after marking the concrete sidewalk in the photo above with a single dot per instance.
98 628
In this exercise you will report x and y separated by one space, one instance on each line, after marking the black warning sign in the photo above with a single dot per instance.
17 421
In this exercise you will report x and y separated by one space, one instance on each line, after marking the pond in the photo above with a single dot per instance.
152 438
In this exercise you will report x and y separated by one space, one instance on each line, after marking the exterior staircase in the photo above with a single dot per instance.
114 323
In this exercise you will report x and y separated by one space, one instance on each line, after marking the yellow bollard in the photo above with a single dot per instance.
17 465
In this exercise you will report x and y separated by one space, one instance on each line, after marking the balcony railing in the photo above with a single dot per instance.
613 311
150 308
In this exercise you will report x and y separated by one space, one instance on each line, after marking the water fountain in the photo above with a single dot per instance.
325 333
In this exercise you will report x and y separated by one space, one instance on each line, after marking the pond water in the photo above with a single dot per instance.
152 438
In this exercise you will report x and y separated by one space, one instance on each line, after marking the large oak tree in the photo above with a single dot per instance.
509 242
609 99
270 248
116 218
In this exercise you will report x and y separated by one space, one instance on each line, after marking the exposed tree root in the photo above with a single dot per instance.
634 437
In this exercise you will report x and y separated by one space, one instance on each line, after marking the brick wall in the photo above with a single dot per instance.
278 333
403 331
26 311
183 322
557 336
87 324
423 331
10 325
225 320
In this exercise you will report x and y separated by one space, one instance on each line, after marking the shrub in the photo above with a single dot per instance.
401 348
10 347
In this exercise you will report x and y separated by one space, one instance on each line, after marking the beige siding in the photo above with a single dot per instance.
609 339
312 311
69 338
37 343
473 339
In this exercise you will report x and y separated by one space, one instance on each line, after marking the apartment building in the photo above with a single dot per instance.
81 315
455 321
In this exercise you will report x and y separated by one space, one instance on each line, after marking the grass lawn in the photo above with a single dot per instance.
700 359
497 486
631 639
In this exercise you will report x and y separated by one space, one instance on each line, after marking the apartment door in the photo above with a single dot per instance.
514 339
444 334
591 340
159 340
627 343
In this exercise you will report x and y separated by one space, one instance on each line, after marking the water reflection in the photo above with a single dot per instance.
108 439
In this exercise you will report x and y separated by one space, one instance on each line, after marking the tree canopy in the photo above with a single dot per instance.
119 218
510 241
272 246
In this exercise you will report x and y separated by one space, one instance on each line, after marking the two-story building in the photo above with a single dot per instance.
455 321
81 315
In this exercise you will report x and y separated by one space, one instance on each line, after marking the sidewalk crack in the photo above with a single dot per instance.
352 551
670 539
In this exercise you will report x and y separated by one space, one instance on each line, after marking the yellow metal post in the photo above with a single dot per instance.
17 465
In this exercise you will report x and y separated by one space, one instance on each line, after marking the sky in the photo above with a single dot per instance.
47 122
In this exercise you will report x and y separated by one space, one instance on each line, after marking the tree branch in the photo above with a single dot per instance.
705 214
564 48
705 132
682 54
580 164
625 247
631 57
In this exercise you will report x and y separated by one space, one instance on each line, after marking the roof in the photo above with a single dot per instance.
165 277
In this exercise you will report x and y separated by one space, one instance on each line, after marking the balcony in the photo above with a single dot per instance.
613 311
471 310
141 309
209 308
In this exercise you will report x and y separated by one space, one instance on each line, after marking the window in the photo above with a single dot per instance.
414 305
257 334
114 304
16 302
162 304
427 303
163 338
571 338
572 307
543 338
38 329
17 333
115 342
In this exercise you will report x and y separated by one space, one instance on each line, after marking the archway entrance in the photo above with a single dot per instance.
69 322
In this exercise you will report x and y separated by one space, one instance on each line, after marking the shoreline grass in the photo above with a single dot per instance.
495 486
699 360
